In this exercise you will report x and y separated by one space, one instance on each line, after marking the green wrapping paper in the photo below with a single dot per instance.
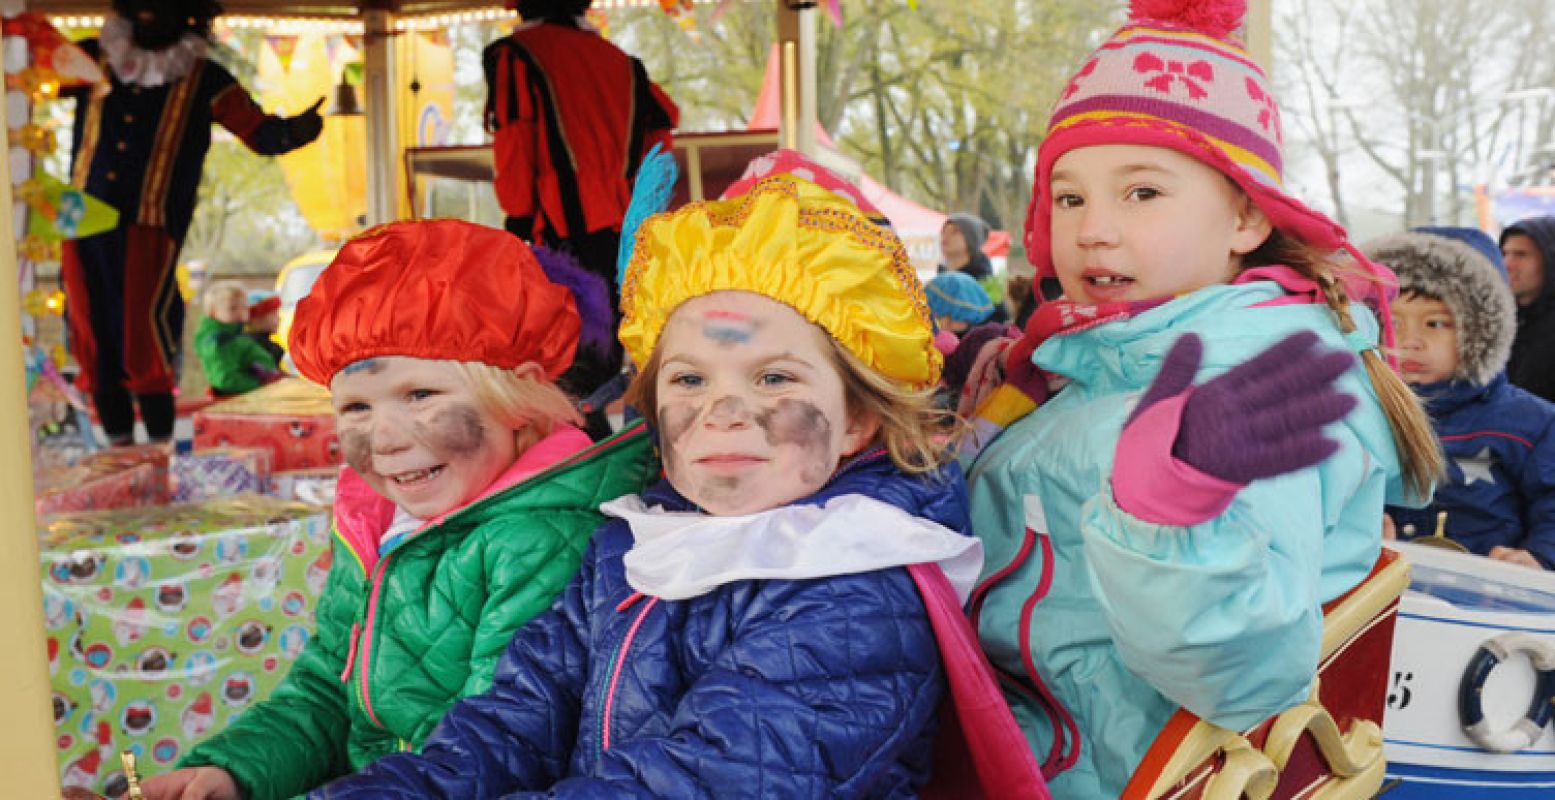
166 623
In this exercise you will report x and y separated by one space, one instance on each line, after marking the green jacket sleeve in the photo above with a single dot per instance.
296 739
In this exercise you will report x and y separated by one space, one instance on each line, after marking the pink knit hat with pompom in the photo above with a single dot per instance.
1175 77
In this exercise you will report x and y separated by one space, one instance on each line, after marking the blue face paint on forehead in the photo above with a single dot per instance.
368 365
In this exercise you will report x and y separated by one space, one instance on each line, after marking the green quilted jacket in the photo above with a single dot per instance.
404 635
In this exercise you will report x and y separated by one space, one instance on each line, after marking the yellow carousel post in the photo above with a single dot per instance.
27 767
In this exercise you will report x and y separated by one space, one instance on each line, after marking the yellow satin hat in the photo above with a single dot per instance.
797 243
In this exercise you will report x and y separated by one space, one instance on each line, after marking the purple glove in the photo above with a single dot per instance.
1264 417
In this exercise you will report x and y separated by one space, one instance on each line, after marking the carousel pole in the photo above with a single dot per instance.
796 48
382 117
27 737
1258 32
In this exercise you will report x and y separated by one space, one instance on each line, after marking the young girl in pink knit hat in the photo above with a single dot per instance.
1164 530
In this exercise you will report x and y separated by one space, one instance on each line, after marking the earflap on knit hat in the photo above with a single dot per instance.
1175 77
1454 272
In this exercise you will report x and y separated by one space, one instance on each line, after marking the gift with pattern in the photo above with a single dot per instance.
119 477
164 624
292 418
220 472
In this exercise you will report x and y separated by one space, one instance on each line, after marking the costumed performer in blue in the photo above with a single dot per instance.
139 145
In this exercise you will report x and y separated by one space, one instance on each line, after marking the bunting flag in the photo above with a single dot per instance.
49 50
284 47
834 10
63 211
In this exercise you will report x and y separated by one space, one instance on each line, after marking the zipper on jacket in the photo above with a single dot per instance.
366 652
1060 757
345 674
619 661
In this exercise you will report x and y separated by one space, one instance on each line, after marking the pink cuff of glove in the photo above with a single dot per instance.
1153 485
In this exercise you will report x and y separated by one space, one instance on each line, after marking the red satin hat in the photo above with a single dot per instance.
265 306
434 289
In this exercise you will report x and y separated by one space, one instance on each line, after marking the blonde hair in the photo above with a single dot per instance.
219 293
913 431
521 398
1419 452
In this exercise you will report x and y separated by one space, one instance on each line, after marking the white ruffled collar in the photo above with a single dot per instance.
148 68
679 555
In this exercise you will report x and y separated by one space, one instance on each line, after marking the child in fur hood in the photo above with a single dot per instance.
1455 318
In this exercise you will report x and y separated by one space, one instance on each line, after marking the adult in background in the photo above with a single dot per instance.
961 248
571 117
1528 250
139 145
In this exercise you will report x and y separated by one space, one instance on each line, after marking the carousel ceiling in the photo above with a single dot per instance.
318 8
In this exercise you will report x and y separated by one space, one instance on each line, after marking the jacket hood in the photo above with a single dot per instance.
1542 231
1484 311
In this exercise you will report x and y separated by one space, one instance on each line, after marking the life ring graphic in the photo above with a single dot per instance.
1471 712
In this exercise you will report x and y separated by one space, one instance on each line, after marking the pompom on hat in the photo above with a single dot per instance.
439 289
790 239
1174 77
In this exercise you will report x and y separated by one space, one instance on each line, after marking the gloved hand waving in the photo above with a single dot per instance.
1263 418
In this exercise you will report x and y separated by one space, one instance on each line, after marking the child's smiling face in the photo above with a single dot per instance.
413 429
1132 222
751 405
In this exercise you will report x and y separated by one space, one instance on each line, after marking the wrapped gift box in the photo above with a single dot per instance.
165 623
315 486
118 477
219 472
292 418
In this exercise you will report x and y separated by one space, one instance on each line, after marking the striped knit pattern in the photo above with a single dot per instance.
1158 74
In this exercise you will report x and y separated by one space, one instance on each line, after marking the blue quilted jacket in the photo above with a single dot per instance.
764 688
1500 487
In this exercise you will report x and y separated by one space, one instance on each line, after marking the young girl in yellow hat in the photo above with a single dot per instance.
760 622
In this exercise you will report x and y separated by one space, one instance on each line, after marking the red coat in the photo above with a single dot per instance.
571 116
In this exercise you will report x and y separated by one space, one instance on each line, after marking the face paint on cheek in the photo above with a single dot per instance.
728 328
452 431
675 419
357 447
801 424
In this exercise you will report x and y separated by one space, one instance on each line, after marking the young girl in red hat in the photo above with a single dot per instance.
466 503
1164 530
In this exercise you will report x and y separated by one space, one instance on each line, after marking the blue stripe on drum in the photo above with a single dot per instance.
1441 783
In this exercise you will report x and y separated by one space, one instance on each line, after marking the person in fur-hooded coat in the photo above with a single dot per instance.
1499 494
